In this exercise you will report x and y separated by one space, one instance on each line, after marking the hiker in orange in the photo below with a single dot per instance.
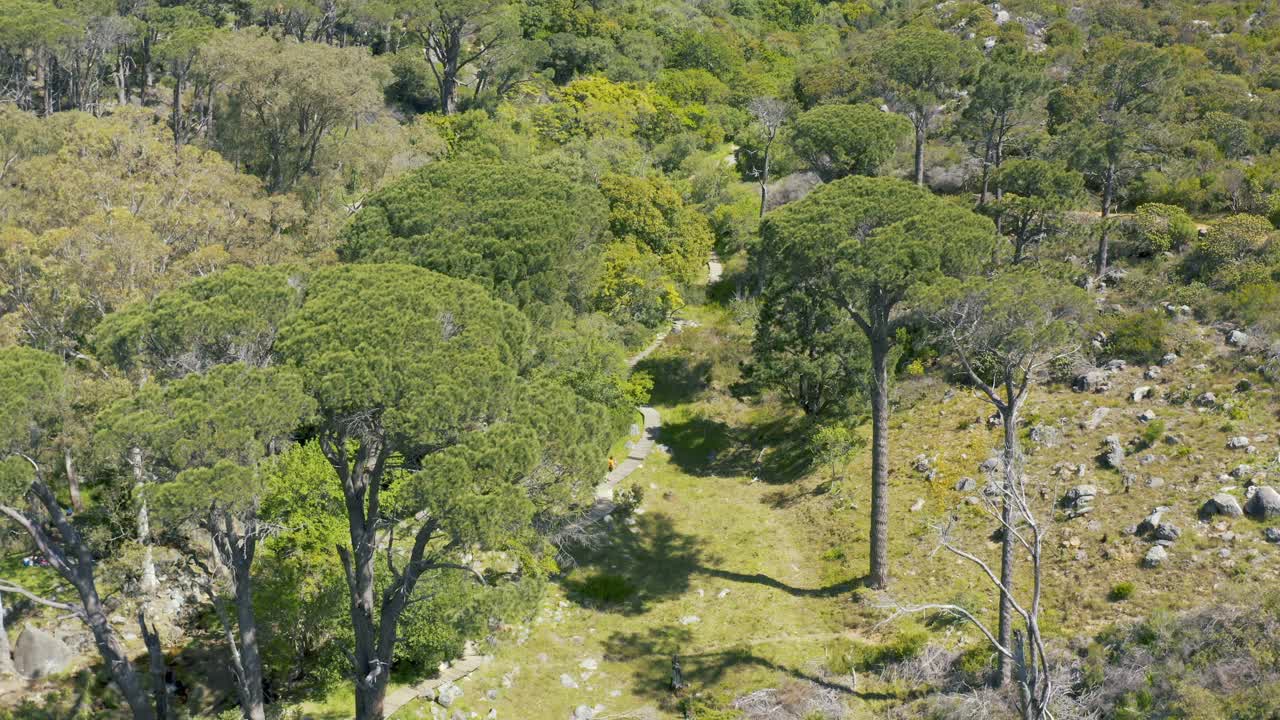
612 464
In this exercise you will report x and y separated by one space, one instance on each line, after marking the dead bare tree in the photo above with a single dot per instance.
771 114
1010 505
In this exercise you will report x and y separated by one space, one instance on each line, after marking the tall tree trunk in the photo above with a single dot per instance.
6 653
921 137
159 671
1108 195
878 577
1005 632
764 179
46 74
149 583
73 479
250 656
177 110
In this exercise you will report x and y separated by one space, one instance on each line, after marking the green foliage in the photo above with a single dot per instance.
833 445
907 641
1153 432
528 234
1121 591
1158 228
31 386
650 212
1235 251
635 287
1139 337
1037 193
840 140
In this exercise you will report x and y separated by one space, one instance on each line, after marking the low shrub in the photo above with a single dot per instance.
1121 591
1140 337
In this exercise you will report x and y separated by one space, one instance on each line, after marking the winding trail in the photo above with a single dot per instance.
472 659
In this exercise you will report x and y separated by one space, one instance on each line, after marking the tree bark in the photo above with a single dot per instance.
250 656
148 583
921 138
1010 417
6 653
1108 195
73 479
878 577
155 656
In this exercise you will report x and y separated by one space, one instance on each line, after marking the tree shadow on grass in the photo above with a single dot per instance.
676 378
833 590
651 652
655 560
773 451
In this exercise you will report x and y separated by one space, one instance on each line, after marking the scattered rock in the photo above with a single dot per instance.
1238 442
38 654
1152 373
1113 455
990 465
1089 381
1155 557
1079 500
1167 532
1168 359
1096 418
588 664
690 620
1150 522
1140 393
1045 435
1241 472
1147 416
1272 535
1237 338
1155 482
1264 503
1115 365
923 464
1206 400
568 681
918 505
447 694
966 484
583 712
1221 504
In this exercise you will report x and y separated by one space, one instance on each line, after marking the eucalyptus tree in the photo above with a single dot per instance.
1004 331
867 245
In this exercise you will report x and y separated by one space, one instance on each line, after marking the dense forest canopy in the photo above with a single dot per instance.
333 332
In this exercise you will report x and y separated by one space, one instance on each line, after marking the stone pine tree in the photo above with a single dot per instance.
1004 331
31 383
920 70
867 245
202 438
1006 96
440 445
1107 122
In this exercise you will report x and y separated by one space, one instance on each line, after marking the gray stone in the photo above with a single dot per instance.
568 681
1089 381
966 484
1168 359
1237 338
990 465
1221 504
1167 532
1115 365
1147 416
447 694
918 505
583 712
1097 417
1113 455
1238 442
1264 503
1241 472
1152 373
1272 535
38 654
1150 522
1155 482
1140 393
1045 435
1206 400
1155 557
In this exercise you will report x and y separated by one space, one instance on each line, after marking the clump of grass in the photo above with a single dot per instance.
1121 591
606 588
907 642
1153 432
